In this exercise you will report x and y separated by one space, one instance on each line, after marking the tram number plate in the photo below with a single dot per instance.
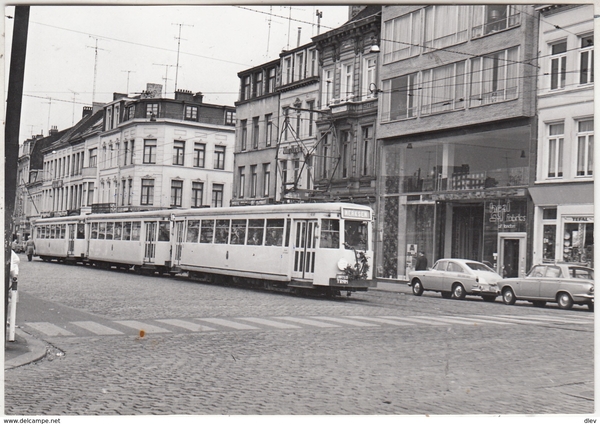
342 279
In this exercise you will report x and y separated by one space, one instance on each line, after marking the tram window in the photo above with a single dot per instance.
288 228
80 231
330 233
126 231
238 231
135 230
118 230
274 232
102 230
63 231
193 229
256 232
52 231
94 230
207 230
109 230
164 231
222 231
355 234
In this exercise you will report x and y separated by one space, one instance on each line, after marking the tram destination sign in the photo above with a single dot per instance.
356 213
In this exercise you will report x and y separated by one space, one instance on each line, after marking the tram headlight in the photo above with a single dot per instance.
342 264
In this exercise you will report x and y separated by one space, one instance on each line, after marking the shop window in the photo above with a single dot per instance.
578 242
549 243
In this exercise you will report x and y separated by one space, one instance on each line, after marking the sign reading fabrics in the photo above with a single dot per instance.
507 215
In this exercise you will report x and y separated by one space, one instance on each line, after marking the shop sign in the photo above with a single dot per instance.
586 219
500 213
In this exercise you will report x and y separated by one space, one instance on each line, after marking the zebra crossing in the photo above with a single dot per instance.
220 324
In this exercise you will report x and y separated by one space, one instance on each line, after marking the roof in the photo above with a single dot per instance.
78 130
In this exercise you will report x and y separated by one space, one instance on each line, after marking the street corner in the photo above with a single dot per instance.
24 350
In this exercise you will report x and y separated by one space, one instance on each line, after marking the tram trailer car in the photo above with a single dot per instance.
324 247
316 246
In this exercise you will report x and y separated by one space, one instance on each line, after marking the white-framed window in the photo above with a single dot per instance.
151 110
402 37
191 113
257 87
314 65
197 193
178 152
326 87
287 70
255 132
253 181
369 77
245 94
147 192
176 192
199 154
558 65
244 134
399 99
347 89
586 60
271 79
217 195
495 77
443 88
556 141
493 18
367 151
242 181
219 159
299 66
585 147
266 179
445 25
268 129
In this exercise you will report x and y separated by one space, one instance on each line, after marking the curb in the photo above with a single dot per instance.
37 350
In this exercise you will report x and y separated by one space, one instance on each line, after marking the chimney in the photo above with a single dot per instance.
87 111
355 10
198 97
299 34
53 130
185 95
117 96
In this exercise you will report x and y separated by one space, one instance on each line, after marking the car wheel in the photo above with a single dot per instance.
489 298
446 295
539 303
458 291
591 307
564 301
508 296
417 287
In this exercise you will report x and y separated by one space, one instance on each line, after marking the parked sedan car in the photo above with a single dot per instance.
457 278
563 283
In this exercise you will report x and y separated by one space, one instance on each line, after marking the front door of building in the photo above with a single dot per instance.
511 254
467 232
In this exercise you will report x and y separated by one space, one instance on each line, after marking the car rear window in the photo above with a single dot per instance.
582 273
475 266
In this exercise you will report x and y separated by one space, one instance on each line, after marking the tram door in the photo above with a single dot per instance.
178 242
150 242
71 247
304 249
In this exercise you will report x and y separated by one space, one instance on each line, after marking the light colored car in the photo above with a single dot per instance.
565 284
457 278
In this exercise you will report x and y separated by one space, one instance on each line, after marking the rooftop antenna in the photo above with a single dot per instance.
128 72
319 16
49 102
165 78
73 113
269 32
96 48
178 38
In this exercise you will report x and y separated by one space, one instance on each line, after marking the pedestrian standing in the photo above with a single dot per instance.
421 263
30 248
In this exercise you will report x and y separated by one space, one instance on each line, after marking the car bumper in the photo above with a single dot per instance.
487 291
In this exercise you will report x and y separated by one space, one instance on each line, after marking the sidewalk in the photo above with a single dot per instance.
24 350
390 285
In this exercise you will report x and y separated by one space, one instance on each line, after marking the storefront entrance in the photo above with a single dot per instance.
511 254
467 232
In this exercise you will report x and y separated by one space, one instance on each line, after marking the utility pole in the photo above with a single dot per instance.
166 74
14 102
128 72
96 48
178 38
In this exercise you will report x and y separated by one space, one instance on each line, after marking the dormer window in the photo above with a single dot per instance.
191 113
152 110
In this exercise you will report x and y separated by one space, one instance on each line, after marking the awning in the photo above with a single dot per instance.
562 194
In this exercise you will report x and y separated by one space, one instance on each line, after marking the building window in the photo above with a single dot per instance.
219 157
586 60
296 172
269 129
123 189
266 179
246 87
369 77
151 110
286 120
399 100
284 172
311 117
558 65
271 79
90 198
149 151
178 152
129 191
299 66
176 193
366 151
253 181
242 181
125 152
324 168
555 150
197 193
131 112
229 117
443 88
585 148
314 66
93 157
489 19
255 132
298 123
445 25
108 115
217 196
199 153
402 37
494 77
191 113
147 192
257 87
244 133
287 69
346 138
347 89
327 87
132 145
